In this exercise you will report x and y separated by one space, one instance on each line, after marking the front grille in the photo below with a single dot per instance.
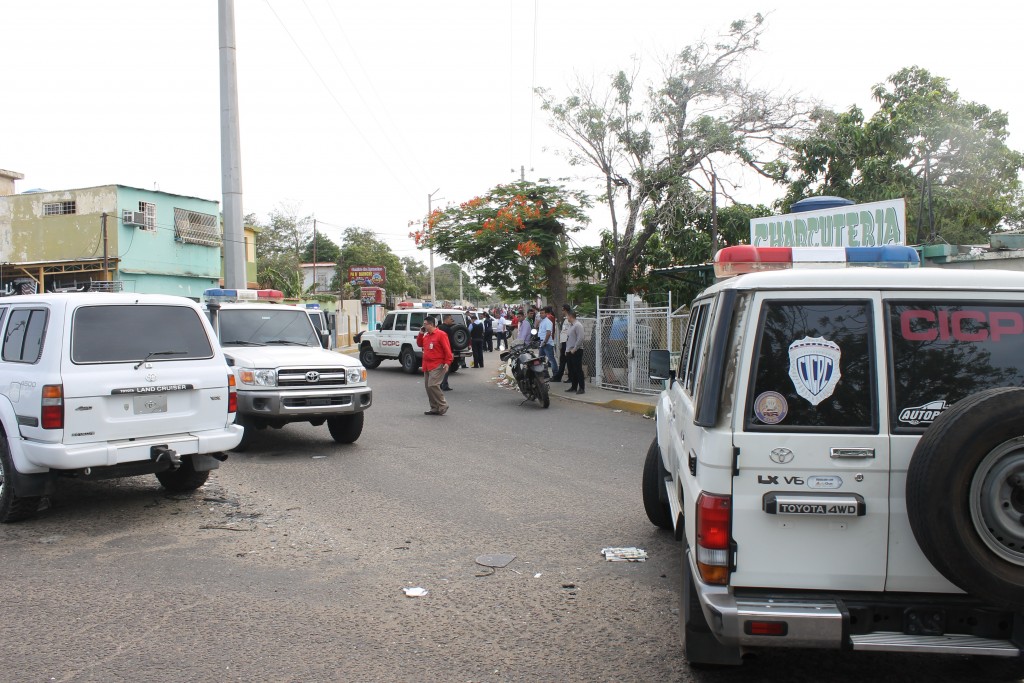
300 377
316 402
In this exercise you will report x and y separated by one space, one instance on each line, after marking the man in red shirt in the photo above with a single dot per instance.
437 357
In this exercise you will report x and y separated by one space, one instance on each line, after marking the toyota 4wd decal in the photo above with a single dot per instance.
814 368
923 414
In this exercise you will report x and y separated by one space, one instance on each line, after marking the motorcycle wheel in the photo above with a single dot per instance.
542 392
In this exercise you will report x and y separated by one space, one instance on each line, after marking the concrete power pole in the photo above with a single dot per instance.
230 152
430 208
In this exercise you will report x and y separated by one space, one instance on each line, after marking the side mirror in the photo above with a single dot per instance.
379 326
659 365
325 339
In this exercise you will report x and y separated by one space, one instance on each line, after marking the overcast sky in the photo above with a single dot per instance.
353 112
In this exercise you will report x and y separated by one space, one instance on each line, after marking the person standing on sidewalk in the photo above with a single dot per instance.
437 358
563 331
574 353
546 333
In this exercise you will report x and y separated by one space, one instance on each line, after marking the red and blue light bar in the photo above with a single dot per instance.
232 295
744 258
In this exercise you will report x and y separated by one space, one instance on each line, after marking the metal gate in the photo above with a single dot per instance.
621 338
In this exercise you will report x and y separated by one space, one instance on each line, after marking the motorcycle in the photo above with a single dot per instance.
528 368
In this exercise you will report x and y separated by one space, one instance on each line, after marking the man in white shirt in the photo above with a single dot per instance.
499 326
546 332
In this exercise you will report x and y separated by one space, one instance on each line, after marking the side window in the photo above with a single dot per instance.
401 322
23 341
389 322
941 352
815 368
416 321
689 362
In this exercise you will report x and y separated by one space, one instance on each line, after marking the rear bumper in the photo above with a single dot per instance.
59 456
303 404
881 622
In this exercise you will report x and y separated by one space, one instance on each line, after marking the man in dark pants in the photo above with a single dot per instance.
476 337
488 333
446 327
574 353
563 330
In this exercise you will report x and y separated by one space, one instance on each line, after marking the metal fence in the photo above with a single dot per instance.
619 340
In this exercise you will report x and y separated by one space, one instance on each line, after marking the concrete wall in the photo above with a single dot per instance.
28 235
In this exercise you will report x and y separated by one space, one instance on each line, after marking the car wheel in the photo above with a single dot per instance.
460 337
12 508
368 358
248 434
965 495
658 511
701 646
345 428
409 361
184 478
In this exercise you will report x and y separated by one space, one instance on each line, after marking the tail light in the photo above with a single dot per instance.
714 538
232 394
53 406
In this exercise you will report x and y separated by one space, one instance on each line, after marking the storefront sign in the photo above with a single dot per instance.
859 225
367 276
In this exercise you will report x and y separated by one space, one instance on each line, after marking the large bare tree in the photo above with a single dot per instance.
656 152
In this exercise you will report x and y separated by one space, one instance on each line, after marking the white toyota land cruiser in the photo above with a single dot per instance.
96 386
395 338
842 453
283 373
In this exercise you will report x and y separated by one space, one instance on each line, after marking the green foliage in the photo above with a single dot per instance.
923 133
326 250
515 237
657 154
361 248
279 243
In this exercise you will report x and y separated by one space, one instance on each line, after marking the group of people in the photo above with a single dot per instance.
488 331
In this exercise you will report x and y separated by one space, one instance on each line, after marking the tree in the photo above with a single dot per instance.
361 248
418 276
924 143
326 250
446 282
279 244
658 155
516 237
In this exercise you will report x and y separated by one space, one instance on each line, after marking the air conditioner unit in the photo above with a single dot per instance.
134 218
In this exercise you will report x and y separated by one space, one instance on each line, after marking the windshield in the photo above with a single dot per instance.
264 326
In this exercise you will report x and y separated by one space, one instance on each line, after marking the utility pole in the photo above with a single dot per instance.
314 256
103 225
714 214
430 209
230 151
461 302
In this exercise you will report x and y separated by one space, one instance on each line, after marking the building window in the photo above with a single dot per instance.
196 228
58 208
150 211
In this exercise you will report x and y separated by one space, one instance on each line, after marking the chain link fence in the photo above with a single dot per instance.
619 340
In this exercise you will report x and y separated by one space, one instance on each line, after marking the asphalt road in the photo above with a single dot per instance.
290 564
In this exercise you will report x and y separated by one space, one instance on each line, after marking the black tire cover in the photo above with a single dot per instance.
460 337
945 523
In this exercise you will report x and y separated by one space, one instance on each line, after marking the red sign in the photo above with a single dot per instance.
367 276
371 295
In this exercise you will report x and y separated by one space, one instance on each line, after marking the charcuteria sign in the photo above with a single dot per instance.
859 225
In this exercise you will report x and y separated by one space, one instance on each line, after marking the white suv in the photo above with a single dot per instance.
841 452
395 338
108 385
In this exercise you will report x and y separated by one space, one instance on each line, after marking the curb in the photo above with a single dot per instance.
636 407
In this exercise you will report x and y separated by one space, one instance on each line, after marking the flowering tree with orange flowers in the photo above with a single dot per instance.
516 237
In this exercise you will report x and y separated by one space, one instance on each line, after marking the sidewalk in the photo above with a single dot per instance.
641 404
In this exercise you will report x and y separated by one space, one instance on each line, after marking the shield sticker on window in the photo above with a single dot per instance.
814 368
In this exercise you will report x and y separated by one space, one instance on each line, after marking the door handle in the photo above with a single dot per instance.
835 453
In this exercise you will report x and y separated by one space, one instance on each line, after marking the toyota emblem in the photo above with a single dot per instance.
312 376
781 455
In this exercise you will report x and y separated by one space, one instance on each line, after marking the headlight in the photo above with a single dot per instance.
355 376
263 378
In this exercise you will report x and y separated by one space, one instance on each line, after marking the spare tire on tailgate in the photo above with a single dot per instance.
460 337
965 495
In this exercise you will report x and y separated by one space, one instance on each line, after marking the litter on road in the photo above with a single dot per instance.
415 592
624 554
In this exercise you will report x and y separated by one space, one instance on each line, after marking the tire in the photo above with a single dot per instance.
543 392
702 648
345 428
410 363
368 358
460 337
183 479
965 495
12 508
248 434
658 511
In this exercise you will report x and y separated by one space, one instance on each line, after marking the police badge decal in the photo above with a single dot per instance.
814 368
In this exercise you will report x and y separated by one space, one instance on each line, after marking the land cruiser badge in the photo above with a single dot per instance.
814 368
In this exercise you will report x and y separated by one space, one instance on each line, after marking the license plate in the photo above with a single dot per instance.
147 405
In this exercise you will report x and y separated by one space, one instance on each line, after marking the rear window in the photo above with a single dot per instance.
121 334
941 353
